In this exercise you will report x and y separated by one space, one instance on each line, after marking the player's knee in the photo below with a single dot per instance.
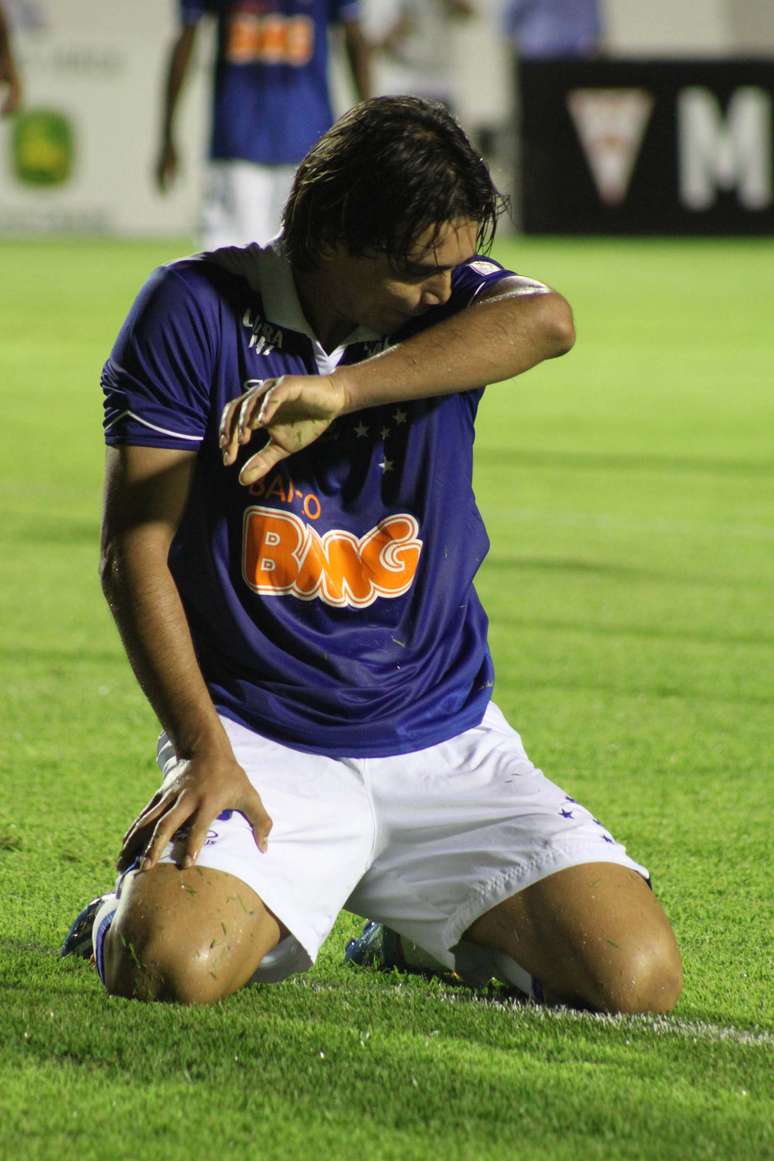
147 960
648 981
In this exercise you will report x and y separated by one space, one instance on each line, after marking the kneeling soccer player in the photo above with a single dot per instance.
290 541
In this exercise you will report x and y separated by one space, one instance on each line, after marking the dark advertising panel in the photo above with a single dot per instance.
639 146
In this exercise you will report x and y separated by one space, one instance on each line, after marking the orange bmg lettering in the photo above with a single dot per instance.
272 550
270 39
281 555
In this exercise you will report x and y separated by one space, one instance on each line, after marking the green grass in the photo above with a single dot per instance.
628 494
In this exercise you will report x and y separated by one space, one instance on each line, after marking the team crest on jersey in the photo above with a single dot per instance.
284 556
484 268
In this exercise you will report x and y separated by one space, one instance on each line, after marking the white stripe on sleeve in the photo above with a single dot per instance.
154 427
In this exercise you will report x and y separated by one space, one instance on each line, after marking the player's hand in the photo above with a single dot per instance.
166 166
11 102
293 411
200 789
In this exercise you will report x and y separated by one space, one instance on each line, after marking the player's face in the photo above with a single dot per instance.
383 294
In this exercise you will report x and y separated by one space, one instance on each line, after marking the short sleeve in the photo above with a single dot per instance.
468 281
474 276
191 11
156 382
345 11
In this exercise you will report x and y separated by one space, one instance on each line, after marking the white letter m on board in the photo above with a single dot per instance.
718 153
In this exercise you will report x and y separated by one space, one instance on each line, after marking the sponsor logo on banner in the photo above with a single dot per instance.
729 150
610 124
284 556
43 146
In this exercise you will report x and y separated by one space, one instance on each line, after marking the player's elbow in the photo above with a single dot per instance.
106 567
115 569
558 325
110 568
132 557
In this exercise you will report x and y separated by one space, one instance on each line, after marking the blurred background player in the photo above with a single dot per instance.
433 50
554 28
411 45
270 103
539 30
10 83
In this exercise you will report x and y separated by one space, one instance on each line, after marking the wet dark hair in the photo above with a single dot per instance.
383 174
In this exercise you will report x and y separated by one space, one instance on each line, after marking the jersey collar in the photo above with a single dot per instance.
268 272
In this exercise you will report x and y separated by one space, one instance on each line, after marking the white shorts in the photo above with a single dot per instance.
425 842
243 202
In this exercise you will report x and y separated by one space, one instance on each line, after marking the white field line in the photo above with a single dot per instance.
677 1026
689 1029
658 1025
703 1030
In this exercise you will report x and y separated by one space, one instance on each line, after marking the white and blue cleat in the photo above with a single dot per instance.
377 947
86 936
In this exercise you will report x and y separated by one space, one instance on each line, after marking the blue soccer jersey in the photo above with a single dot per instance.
270 99
553 28
331 604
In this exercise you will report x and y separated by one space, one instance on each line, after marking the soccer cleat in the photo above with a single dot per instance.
78 940
382 948
377 947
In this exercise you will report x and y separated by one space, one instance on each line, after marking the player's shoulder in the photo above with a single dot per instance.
200 274
191 11
344 11
197 284
186 301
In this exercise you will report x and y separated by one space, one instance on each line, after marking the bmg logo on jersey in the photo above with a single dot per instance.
284 556
269 39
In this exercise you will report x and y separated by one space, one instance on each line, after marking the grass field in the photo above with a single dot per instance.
628 494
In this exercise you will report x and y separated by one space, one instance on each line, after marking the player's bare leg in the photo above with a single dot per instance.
594 935
191 935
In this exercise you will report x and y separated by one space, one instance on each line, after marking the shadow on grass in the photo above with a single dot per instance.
353 1037
46 655
616 570
51 529
642 632
381 1061
530 458
500 563
677 690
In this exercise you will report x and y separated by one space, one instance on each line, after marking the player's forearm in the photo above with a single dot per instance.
5 37
177 70
358 52
496 339
8 71
145 603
